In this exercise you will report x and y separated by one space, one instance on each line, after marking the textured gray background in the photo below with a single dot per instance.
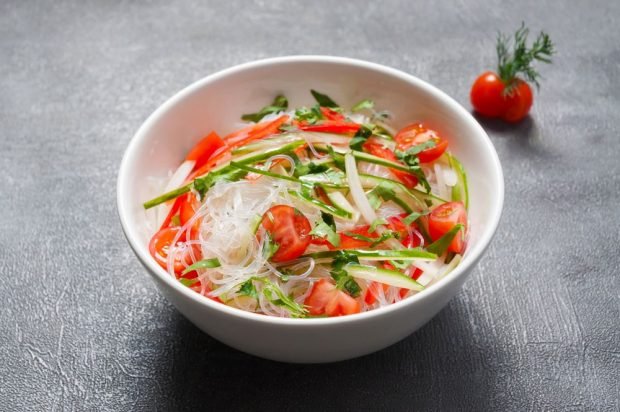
82 326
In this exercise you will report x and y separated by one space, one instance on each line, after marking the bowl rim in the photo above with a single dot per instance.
155 270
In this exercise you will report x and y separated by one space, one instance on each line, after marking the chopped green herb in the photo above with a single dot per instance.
269 246
340 275
227 174
413 162
377 222
248 289
439 246
176 220
279 104
276 296
364 104
415 150
324 100
386 191
326 229
374 241
310 116
360 137
414 216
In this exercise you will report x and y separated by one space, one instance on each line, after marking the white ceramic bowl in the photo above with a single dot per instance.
216 103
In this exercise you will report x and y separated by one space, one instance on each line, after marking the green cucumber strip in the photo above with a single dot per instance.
440 246
453 264
241 160
263 144
372 181
203 264
267 153
173 194
263 172
341 202
460 191
255 223
404 254
369 181
188 282
385 276
332 210
379 161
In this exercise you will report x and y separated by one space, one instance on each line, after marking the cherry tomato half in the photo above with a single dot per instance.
159 247
377 149
288 228
326 299
443 218
416 134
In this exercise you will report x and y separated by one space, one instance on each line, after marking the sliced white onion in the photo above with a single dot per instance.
357 192
441 184
176 181
449 176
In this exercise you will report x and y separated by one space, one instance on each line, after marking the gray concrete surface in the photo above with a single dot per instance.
83 328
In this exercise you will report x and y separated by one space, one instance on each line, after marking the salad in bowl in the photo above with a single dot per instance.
312 211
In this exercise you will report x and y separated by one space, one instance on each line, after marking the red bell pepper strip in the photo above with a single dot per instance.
330 114
204 149
331 126
255 132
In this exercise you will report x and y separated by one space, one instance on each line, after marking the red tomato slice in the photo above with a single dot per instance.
326 299
159 247
373 291
332 126
383 152
416 134
204 149
443 218
350 242
290 229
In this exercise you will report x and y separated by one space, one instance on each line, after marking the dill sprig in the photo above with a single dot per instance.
521 59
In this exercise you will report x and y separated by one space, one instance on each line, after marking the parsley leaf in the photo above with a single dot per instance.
374 241
343 280
247 288
279 298
414 216
310 116
326 229
364 104
413 162
324 100
269 246
414 150
383 190
203 184
364 132
377 222
279 104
